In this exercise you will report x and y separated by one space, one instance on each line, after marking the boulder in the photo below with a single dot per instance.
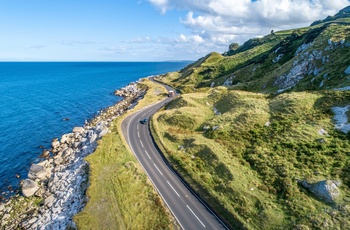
45 163
40 192
65 138
58 160
68 152
78 130
49 201
45 153
103 132
76 144
83 140
37 172
55 143
326 190
29 187
347 71
93 138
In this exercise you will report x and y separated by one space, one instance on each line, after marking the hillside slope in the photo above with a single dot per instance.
260 132
311 58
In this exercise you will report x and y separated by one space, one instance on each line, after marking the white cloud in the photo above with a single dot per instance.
161 4
190 39
217 23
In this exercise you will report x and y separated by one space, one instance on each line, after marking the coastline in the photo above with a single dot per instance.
56 187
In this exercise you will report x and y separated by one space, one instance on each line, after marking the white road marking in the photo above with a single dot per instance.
142 144
132 149
158 169
148 155
138 134
137 127
195 215
173 189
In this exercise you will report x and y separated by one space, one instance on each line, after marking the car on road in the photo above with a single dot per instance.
144 121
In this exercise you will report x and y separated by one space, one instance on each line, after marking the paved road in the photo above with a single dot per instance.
189 212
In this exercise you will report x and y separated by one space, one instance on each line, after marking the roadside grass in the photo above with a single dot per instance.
247 168
120 194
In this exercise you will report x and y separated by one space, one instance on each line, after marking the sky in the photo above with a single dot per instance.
144 30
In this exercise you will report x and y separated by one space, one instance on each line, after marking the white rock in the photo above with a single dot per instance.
49 201
55 144
322 132
29 187
103 132
37 171
93 138
68 152
78 130
65 138
341 118
58 160
33 220
76 144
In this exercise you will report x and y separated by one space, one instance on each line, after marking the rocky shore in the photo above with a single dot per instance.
55 188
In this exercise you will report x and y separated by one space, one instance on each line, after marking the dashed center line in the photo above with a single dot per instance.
142 144
158 169
148 155
138 134
173 188
195 215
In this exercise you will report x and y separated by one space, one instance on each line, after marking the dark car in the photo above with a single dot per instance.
144 121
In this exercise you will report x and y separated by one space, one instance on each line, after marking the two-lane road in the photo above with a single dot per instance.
188 210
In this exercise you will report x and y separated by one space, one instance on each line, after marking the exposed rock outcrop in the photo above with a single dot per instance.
228 81
341 118
304 64
326 190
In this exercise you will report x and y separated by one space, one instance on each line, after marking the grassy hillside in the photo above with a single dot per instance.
254 123
246 162
311 58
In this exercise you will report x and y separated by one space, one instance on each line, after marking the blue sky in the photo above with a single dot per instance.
143 30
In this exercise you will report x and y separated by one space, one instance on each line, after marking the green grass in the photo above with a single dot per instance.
252 69
247 169
120 194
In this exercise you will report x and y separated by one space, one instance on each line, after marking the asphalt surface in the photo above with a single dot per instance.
187 209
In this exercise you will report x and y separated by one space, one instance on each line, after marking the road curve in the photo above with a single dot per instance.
187 209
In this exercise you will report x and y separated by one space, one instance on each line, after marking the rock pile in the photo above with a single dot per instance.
61 179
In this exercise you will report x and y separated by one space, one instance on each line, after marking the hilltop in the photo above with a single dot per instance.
261 132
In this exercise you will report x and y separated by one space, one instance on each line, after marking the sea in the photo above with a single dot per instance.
40 101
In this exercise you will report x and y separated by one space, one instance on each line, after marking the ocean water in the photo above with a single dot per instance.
36 97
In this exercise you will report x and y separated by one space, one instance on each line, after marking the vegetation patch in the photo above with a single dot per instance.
120 194
248 167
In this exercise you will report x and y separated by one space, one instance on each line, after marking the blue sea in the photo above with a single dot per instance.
37 97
